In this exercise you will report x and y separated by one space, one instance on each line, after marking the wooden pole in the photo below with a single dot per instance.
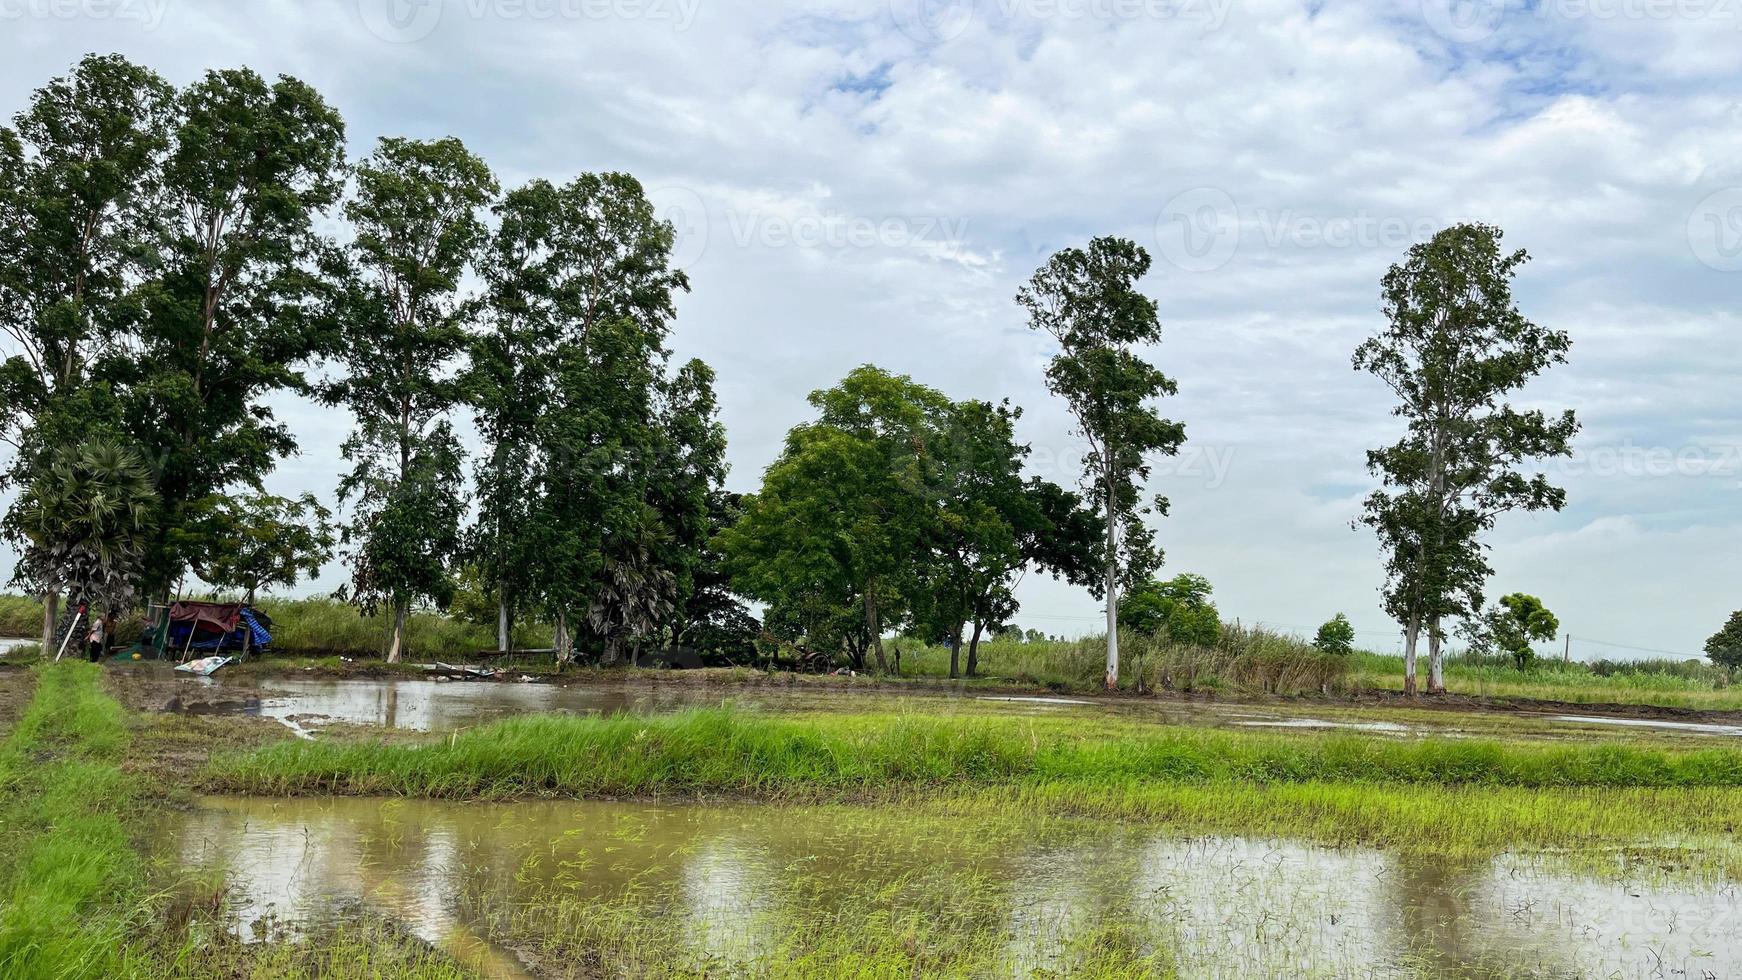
69 637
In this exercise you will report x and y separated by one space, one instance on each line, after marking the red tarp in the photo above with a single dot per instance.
221 617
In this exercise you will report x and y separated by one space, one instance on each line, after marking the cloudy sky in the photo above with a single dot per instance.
870 180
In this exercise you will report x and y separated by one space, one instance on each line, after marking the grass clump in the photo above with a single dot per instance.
71 884
725 751
1243 660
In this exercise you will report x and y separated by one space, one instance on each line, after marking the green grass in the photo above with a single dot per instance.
326 626
320 626
368 949
1244 660
20 616
1674 684
726 751
71 885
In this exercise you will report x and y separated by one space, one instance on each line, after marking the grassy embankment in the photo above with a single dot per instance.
1664 683
78 896
1448 793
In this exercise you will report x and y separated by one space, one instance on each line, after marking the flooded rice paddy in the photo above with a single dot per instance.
428 705
729 884
721 889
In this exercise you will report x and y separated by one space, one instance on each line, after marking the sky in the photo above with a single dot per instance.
870 181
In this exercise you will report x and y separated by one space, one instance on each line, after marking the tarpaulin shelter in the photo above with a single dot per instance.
209 626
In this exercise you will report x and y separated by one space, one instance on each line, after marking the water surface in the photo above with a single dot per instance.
732 875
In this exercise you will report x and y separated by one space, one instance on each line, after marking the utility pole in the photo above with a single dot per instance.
1567 657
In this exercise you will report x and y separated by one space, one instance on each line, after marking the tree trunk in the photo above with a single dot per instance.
396 647
1112 590
1410 636
502 630
875 626
1436 677
974 648
564 650
50 612
955 654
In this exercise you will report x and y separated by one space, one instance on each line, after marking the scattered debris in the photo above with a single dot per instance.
204 667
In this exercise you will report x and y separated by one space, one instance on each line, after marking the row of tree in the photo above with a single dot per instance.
169 264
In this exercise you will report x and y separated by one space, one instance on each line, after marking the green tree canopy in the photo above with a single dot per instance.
1725 646
843 512
260 541
989 526
79 172
1178 610
594 485
231 313
1516 622
1336 636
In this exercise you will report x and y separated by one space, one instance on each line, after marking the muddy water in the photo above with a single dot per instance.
459 874
409 704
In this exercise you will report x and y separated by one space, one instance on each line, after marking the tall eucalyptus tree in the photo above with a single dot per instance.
1454 350
419 225
1087 300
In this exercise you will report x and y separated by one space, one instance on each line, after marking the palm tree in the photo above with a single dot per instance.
83 522
635 599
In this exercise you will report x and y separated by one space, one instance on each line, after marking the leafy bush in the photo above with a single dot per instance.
1725 646
1178 609
1336 636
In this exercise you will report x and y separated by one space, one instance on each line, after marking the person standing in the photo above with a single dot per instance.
95 638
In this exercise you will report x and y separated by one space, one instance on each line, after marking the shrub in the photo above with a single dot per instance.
1725 646
1336 637
1178 609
